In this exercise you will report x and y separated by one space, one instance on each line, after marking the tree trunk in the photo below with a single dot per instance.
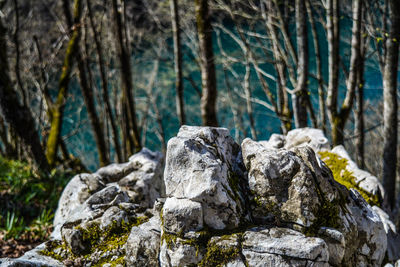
208 78
18 116
390 104
359 112
58 109
104 84
300 97
127 84
333 60
177 61
318 67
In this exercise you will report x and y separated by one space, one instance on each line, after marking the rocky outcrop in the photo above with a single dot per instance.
267 203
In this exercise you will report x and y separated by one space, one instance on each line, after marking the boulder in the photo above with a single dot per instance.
203 164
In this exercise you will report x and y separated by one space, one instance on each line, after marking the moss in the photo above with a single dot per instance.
218 255
338 166
97 240
327 215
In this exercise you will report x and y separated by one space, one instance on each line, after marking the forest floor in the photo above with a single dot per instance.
28 201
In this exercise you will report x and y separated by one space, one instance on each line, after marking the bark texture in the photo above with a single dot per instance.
390 119
208 78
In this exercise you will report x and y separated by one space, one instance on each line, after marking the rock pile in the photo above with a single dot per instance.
216 203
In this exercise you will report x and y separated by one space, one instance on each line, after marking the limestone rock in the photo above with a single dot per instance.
364 179
311 137
283 247
203 164
78 190
143 245
145 184
182 215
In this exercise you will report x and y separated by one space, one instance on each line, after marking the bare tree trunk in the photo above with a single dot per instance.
390 104
359 112
249 107
127 84
318 67
332 24
300 97
104 83
58 109
180 110
208 78
18 116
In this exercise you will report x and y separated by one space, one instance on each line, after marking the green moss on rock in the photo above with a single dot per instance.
341 175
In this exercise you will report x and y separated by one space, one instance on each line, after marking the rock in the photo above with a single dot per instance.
288 185
143 245
32 258
224 251
283 247
336 244
275 141
364 179
179 252
203 165
113 217
393 238
78 190
311 137
371 234
145 184
182 215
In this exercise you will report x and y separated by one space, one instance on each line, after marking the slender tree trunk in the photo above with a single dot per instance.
180 110
390 119
300 97
208 78
87 93
127 84
104 84
359 112
249 107
318 67
18 116
333 66
58 109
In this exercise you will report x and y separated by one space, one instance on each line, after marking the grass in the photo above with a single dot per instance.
28 200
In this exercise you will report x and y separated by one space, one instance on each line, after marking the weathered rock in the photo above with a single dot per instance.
32 258
393 238
288 185
143 245
179 252
203 165
145 184
78 190
182 215
275 141
371 234
311 137
363 179
283 247
113 217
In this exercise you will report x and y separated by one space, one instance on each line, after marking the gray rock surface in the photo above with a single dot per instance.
203 165
311 137
143 245
283 247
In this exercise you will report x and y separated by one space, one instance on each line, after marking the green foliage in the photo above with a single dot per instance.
338 166
218 255
28 199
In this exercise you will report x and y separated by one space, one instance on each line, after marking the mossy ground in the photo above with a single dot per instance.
338 166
